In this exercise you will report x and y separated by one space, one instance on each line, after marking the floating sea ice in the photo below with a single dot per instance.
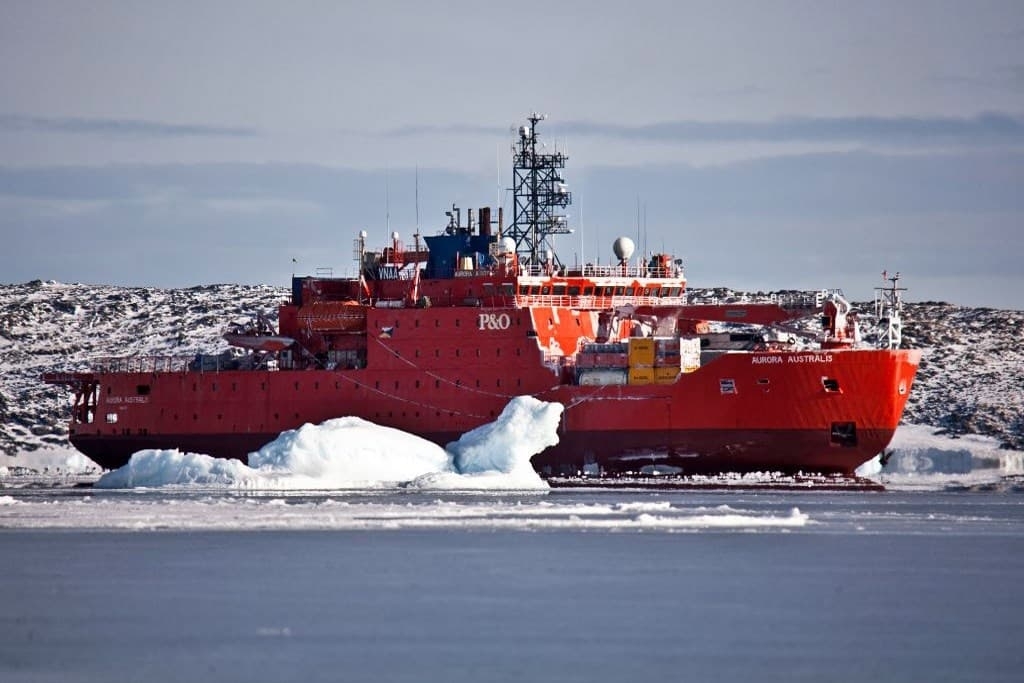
525 427
153 468
350 452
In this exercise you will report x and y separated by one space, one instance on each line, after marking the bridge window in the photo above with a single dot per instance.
574 291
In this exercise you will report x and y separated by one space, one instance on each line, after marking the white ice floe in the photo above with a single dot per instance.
50 459
352 453
921 457
397 511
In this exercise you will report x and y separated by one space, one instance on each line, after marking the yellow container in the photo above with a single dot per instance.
641 375
641 352
665 375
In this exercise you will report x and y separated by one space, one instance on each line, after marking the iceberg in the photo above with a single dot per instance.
349 452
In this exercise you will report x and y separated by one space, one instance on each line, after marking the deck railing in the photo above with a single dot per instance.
128 364
596 302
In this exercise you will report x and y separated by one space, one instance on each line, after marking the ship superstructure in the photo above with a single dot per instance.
436 337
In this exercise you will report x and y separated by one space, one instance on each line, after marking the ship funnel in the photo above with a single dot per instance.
623 248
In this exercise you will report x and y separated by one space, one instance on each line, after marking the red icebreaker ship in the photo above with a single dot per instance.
436 338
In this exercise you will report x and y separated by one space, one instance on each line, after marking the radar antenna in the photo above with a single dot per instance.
888 307
539 192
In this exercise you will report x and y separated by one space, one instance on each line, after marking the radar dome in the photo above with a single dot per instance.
509 244
623 248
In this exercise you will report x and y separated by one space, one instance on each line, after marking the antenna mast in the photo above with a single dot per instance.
888 307
539 193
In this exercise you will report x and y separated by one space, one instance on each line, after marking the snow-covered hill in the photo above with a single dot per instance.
52 326
971 379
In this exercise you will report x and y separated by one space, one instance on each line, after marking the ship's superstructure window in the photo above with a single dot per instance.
111 418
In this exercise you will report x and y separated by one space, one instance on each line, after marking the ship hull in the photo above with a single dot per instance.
742 412
595 453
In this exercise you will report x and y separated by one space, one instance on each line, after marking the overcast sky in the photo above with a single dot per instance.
772 144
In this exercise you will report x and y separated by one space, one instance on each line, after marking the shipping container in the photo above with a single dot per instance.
665 375
601 377
640 375
641 352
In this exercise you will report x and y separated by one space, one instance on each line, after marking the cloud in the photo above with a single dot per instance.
983 129
450 129
826 219
1010 77
119 127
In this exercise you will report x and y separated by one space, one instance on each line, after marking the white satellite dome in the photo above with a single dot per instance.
623 248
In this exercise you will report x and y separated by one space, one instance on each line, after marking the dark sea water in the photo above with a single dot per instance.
569 586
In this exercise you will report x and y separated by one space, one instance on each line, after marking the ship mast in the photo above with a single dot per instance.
888 306
539 192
